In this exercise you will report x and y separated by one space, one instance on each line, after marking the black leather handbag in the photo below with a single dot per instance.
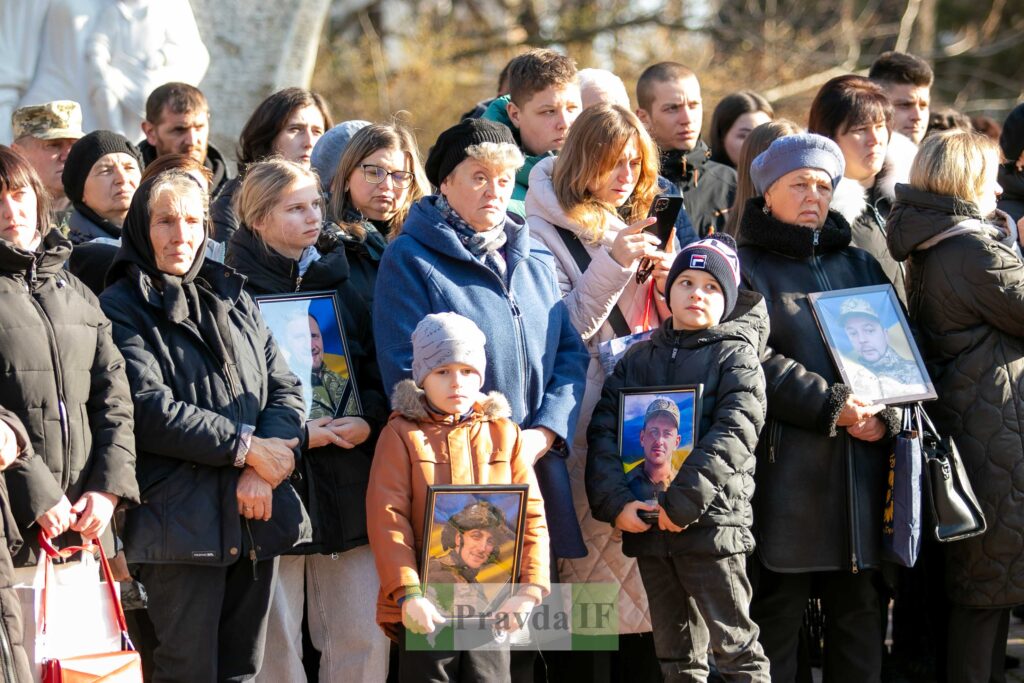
953 505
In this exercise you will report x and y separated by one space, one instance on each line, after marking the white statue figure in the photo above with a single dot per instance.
135 46
21 25
60 72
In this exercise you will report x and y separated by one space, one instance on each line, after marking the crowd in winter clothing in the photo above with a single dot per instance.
267 516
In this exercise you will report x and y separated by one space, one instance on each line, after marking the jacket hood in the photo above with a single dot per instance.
269 271
214 161
410 402
678 164
762 230
917 216
541 202
851 198
49 258
748 323
427 226
1012 182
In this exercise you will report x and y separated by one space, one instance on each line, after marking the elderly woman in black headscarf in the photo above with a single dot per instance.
218 418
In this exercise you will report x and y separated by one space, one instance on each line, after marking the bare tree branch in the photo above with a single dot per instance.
907 25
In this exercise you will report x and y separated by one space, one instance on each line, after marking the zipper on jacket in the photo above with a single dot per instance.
517 319
773 440
819 272
252 550
851 488
58 373
7 657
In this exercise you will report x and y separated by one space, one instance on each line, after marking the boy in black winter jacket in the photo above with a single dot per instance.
693 565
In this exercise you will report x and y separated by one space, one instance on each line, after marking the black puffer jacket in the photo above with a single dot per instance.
820 492
711 493
222 211
334 480
65 380
1012 182
14 665
192 397
708 187
363 260
967 301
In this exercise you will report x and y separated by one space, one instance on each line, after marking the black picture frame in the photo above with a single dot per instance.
444 560
875 374
634 403
320 393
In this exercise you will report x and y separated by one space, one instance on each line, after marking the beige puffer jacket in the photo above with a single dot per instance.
590 296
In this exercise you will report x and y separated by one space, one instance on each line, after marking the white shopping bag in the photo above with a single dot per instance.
79 619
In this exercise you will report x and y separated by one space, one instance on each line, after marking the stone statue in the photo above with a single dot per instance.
135 46
60 72
21 26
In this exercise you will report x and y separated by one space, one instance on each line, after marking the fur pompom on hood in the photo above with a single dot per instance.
410 401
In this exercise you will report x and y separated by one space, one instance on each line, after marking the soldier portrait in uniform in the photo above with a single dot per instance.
309 335
657 431
473 538
872 345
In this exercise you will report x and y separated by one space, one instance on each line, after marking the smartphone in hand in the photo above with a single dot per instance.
666 209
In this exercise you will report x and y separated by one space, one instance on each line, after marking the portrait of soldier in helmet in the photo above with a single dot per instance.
471 539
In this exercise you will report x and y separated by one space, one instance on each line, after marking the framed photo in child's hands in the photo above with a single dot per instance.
473 538
871 344
309 334
658 428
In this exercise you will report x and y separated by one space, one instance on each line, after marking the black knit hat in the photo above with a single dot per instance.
84 154
450 149
1012 137
717 256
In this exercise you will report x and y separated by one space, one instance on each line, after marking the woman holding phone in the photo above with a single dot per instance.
589 207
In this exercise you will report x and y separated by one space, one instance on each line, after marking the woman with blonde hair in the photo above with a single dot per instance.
379 177
965 280
758 141
589 207
281 247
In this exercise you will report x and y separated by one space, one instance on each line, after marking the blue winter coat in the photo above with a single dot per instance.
534 355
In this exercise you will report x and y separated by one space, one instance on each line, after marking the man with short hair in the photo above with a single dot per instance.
543 101
178 122
879 372
44 134
670 105
659 438
907 82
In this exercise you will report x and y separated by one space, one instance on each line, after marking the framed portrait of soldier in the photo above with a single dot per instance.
472 545
871 344
658 428
310 335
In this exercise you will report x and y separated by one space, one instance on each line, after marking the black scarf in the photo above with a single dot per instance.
188 297
99 221
764 230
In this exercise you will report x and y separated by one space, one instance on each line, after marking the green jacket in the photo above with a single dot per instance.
497 111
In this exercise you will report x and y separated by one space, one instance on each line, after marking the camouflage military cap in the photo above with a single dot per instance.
856 306
58 120
662 405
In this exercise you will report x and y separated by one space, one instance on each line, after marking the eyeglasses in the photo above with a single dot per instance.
375 175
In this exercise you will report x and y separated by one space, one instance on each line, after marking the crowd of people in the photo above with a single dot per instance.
268 523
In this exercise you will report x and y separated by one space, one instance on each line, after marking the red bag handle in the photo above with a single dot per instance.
51 552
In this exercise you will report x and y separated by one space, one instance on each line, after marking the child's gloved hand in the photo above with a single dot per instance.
420 616
666 524
513 613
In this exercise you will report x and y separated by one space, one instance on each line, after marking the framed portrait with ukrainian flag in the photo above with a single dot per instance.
472 545
310 335
871 344
658 428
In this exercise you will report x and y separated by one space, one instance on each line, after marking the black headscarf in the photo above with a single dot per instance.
189 296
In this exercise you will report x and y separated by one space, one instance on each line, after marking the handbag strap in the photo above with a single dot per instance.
582 258
51 552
